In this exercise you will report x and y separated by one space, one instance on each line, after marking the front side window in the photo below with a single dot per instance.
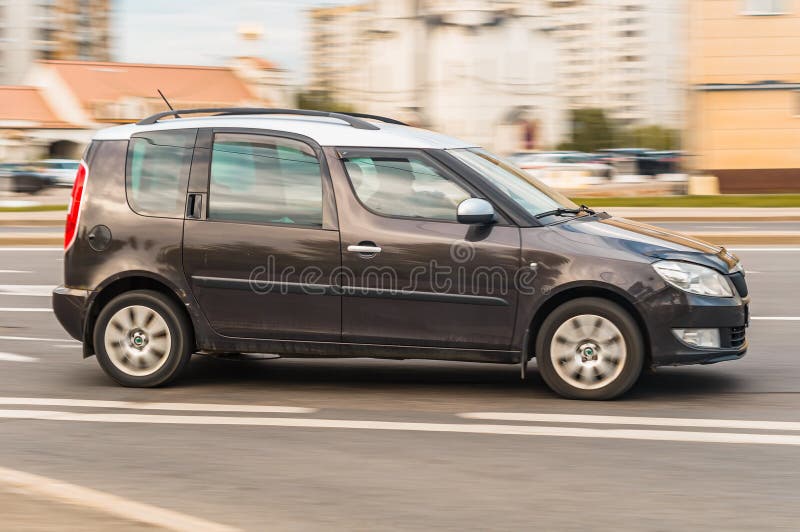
404 186
262 179
523 189
158 171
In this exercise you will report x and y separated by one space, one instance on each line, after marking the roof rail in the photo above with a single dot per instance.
376 117
351 119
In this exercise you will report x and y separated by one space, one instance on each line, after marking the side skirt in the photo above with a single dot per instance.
305 349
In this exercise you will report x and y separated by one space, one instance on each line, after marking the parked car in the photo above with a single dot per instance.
644 161
62 170
661 162
306 233
24 178
566 160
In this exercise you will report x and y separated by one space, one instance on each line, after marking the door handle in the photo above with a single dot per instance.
194 206
364 248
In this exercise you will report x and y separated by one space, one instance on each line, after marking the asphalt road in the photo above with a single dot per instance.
382 445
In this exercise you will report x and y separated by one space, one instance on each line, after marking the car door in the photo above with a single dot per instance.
411 274
261 238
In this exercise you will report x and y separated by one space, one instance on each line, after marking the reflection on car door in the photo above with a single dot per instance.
260 256
413 275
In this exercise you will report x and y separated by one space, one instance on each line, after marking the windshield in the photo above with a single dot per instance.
527 192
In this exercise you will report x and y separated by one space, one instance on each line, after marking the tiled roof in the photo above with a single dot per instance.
25 108
100 82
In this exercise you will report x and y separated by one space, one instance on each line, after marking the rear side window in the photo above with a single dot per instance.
406 187
263 179
158 172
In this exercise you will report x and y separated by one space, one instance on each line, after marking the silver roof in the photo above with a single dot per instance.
325 131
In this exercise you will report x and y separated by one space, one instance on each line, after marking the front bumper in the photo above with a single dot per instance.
677 310
69 306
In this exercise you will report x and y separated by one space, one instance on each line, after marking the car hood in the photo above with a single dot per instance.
643 239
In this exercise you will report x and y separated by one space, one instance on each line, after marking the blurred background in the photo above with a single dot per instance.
680 113
622 98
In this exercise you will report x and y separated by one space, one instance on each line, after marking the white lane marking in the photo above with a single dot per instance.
133 405
776 318
43 290
733 248
16 271
33 339
463 428
105 502
630 420
11 357
31 248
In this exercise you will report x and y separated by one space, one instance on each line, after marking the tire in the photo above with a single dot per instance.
591 349
143 339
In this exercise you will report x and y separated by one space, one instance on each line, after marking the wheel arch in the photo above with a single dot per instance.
126 282
603 291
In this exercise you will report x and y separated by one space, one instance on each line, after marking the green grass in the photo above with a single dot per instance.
34 208
726 200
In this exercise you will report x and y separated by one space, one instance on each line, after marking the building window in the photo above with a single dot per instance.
764 7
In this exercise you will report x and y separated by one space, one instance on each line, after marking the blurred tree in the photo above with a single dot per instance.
322 101
591 131
654 137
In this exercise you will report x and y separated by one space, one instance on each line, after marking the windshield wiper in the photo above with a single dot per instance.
562 211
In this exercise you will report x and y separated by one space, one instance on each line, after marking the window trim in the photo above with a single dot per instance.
330 217
345 153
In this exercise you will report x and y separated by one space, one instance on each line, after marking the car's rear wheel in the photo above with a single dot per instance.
590 348
143 339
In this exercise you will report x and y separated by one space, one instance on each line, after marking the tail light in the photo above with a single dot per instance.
74 209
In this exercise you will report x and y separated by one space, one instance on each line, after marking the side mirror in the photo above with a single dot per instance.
475 211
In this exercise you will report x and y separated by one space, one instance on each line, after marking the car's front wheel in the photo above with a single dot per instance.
143 339
590 348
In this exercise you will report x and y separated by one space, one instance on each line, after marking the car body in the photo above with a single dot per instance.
313 234
62 170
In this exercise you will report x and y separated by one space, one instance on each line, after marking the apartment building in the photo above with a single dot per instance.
744 105
31 30
624 56
482 70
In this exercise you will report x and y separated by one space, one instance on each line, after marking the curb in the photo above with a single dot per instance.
46 239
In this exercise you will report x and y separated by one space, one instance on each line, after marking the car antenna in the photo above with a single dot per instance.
167 102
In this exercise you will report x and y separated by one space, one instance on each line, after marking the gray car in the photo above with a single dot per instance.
306 233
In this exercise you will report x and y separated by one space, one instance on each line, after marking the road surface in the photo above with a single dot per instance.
412 445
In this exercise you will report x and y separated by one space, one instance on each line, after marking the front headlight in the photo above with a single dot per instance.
693 278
